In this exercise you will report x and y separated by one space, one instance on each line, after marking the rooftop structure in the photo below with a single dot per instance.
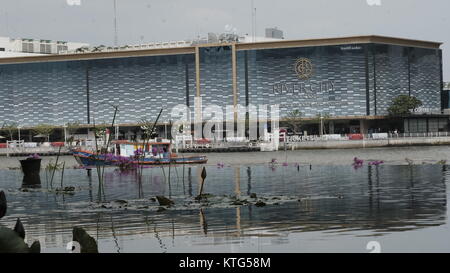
10 47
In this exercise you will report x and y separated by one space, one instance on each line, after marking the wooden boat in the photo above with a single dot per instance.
129 153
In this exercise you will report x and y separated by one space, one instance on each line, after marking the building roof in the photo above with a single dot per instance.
239 46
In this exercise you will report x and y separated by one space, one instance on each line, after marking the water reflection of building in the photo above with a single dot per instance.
382 198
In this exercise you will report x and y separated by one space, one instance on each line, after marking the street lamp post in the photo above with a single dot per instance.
165 129
18 129
321 125
65 134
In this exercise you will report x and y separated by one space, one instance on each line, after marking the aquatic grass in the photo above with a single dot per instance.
107 141
148 129
116 242
62 174
99 153
170 158
55 167
203 221
100 180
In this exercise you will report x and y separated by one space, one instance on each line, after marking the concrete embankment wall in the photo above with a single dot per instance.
30 151
370 143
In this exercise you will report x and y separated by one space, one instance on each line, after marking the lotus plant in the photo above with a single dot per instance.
34 156
139 152
376 163
357 163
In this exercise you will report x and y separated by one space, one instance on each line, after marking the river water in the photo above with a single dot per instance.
390 155
318 208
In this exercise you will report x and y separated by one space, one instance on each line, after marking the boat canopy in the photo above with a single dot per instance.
155 149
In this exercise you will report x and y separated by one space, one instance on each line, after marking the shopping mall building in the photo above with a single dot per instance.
351 80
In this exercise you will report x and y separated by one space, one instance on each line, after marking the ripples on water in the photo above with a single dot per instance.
336 202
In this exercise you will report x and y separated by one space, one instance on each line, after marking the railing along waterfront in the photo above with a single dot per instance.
26 148
372 136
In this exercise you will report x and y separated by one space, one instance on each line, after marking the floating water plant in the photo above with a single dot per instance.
260 204
376 162
442 162
34 156
163 201
357 163
409 161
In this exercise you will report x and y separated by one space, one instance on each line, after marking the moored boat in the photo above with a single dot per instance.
134 153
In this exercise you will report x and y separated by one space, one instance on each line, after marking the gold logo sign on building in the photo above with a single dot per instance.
304 68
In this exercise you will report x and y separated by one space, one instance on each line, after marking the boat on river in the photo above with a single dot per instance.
135 153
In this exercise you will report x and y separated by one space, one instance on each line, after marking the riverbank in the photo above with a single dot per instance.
390 155
370 143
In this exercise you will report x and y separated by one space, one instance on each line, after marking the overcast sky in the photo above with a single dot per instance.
168 20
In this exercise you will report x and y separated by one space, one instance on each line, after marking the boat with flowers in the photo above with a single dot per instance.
125 153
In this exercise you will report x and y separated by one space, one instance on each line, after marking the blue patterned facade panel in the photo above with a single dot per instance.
43 93
141 87
426 77
56 93
396 70
216 81
391 75
336 86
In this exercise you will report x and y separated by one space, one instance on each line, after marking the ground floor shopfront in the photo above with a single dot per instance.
412 124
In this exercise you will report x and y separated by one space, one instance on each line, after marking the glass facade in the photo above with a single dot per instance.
61 92
336 84
424 125
345 81
397 70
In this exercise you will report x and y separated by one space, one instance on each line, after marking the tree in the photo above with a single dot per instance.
72 127
44 130
403 105
147 128
100 130
10 129
294 120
